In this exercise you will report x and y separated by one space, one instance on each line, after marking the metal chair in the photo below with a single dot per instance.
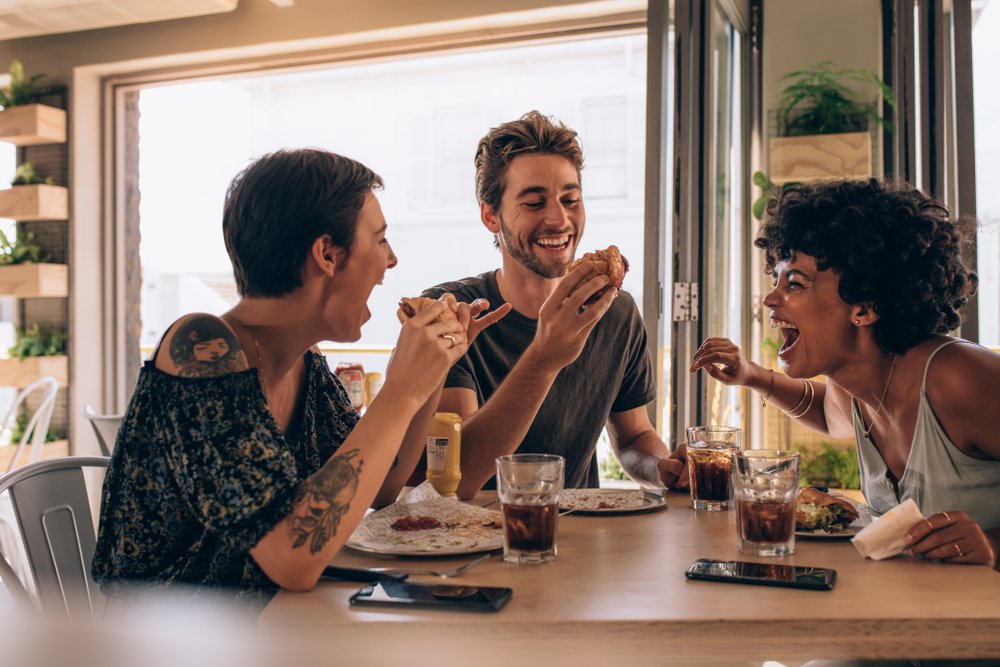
53 512
37 428
105 428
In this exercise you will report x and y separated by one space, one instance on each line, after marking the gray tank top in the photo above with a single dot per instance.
938 476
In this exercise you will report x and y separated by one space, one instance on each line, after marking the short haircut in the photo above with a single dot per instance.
279 205
531 134
892 246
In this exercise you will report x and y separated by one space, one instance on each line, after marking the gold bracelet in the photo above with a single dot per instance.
805 392
763 400
794 414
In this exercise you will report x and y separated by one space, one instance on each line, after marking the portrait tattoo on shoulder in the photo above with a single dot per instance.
322 501
204 346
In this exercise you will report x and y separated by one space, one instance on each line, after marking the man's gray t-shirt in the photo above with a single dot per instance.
614 373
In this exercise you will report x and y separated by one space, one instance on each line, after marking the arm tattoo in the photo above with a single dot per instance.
203 346
322 500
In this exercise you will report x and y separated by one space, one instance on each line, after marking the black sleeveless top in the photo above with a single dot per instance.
201 472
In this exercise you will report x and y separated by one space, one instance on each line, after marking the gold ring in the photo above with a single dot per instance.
930 526
450 338
947 518
958 549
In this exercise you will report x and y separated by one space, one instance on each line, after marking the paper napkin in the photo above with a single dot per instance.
884 538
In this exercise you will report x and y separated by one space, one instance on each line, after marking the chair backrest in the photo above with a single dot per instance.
105 428
52 510
37 428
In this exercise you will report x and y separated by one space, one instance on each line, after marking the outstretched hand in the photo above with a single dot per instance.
721 359
952 537
469 314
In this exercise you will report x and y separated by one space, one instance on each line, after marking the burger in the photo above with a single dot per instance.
608 262
410 306
816 510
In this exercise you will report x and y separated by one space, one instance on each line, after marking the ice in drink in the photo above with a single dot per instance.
710 465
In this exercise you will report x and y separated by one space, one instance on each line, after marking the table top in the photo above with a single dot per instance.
618 587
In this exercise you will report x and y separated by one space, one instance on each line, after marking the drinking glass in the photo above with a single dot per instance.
767 481
710 452
529 486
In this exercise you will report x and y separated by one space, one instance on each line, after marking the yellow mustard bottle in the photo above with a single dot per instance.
444 443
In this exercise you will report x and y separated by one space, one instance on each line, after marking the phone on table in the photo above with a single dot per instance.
767 574
432 596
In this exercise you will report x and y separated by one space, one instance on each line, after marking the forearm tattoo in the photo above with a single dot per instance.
203 346
323 499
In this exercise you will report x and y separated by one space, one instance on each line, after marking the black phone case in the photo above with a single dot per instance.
431 596
813 584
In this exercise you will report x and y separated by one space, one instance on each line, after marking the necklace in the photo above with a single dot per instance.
260 365
885 391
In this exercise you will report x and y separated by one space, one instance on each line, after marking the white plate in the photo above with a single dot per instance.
845 534
467 534
650 503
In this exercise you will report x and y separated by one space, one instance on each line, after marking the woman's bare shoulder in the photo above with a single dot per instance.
961 386
200 345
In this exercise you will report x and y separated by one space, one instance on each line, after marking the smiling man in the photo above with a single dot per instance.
552 373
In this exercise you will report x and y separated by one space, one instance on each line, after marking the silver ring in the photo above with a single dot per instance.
947 518
958 549
450 338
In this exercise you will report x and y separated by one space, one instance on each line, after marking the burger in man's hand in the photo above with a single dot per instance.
608 262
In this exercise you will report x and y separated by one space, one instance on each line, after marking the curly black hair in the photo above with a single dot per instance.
892 245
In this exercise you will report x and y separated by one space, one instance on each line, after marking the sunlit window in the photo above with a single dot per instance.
416 122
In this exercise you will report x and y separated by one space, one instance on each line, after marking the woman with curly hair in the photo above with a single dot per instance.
869 280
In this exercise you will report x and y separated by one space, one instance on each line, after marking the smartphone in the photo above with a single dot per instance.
432 596
766 574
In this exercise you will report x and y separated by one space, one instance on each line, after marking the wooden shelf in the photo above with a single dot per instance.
56 449
820 156
34 202
34 280
17 373
32 125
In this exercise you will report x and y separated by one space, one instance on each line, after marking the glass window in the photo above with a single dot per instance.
986 83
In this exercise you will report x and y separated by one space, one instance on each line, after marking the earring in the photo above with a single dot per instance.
857 323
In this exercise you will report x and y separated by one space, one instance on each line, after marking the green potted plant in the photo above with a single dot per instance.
25 271
35 354
823 124
33 197
23 122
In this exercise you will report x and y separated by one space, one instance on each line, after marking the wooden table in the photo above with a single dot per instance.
617 594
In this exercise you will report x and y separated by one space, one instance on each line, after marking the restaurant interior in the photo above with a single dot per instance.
139 113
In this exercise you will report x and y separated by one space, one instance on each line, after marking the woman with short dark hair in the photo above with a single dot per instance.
241 464
869 280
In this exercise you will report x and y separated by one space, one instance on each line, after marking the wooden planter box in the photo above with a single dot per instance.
817 156
35 202
17 373
34 280
32 124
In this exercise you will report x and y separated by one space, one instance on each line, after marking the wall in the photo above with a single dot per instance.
798 33
256 29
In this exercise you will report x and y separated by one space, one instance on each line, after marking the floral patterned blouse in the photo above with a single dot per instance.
201 472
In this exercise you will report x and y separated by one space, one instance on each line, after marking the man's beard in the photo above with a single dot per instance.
525 257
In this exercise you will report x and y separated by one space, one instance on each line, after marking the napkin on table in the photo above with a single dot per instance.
885 537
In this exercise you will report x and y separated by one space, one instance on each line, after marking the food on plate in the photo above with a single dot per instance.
410 306
416 523
606 262
601 499
436 525
818 511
